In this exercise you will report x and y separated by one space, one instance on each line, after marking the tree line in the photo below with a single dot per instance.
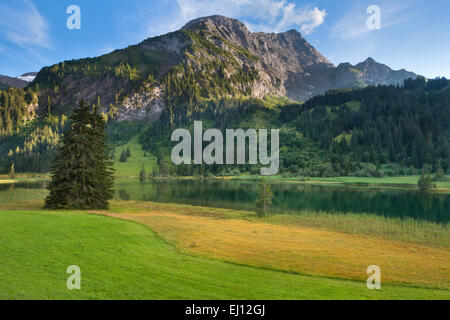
378 127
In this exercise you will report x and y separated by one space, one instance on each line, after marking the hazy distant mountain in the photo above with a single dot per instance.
369 72
19 82
28 77
7 82
209 57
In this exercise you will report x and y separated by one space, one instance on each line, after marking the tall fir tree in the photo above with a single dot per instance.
12 172
123 156
82 173
264 200
440 175
142 175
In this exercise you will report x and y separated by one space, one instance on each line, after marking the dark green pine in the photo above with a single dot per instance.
82 174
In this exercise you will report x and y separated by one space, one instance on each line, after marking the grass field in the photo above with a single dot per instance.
126 260
134 163
177 251
405 230
239 238
23 177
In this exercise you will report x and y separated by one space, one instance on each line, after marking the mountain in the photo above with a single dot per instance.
286 64
28 77
208 58
369 73
19 82
216 70
7 82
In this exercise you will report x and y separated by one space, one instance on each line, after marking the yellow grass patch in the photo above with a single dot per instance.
298 249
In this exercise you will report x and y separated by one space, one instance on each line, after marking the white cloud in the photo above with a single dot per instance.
270 15
308 19
22 24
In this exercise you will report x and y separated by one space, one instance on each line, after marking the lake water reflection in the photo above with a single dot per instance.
290 198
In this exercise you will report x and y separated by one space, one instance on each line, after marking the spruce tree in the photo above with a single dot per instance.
440 175
142 175
82 174
12 172
264 200
123 157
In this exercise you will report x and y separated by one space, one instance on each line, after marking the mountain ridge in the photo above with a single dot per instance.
7 82
18 82
208 58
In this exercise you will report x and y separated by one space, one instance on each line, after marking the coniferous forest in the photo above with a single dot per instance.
375 131
370 132
398 128
27 139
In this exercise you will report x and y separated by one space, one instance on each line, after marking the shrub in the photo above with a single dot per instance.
425 182
123 157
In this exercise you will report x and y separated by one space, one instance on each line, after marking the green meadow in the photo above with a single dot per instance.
138 159
126 260
159 256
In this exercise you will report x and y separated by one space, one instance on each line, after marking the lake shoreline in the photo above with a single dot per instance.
396 182
314 181
24 180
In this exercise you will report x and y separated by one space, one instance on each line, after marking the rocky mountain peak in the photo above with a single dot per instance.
370 65
294 31
280 57
216 22
221 56
370 60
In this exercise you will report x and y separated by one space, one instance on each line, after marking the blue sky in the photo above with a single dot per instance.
414 34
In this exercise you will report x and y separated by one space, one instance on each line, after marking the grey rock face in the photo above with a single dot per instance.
282 64
374 73
290 66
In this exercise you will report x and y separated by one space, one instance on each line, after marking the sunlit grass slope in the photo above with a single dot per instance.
299 249
134 163
126 260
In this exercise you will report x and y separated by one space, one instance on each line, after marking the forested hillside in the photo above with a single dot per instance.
366 132
394 128
27 140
